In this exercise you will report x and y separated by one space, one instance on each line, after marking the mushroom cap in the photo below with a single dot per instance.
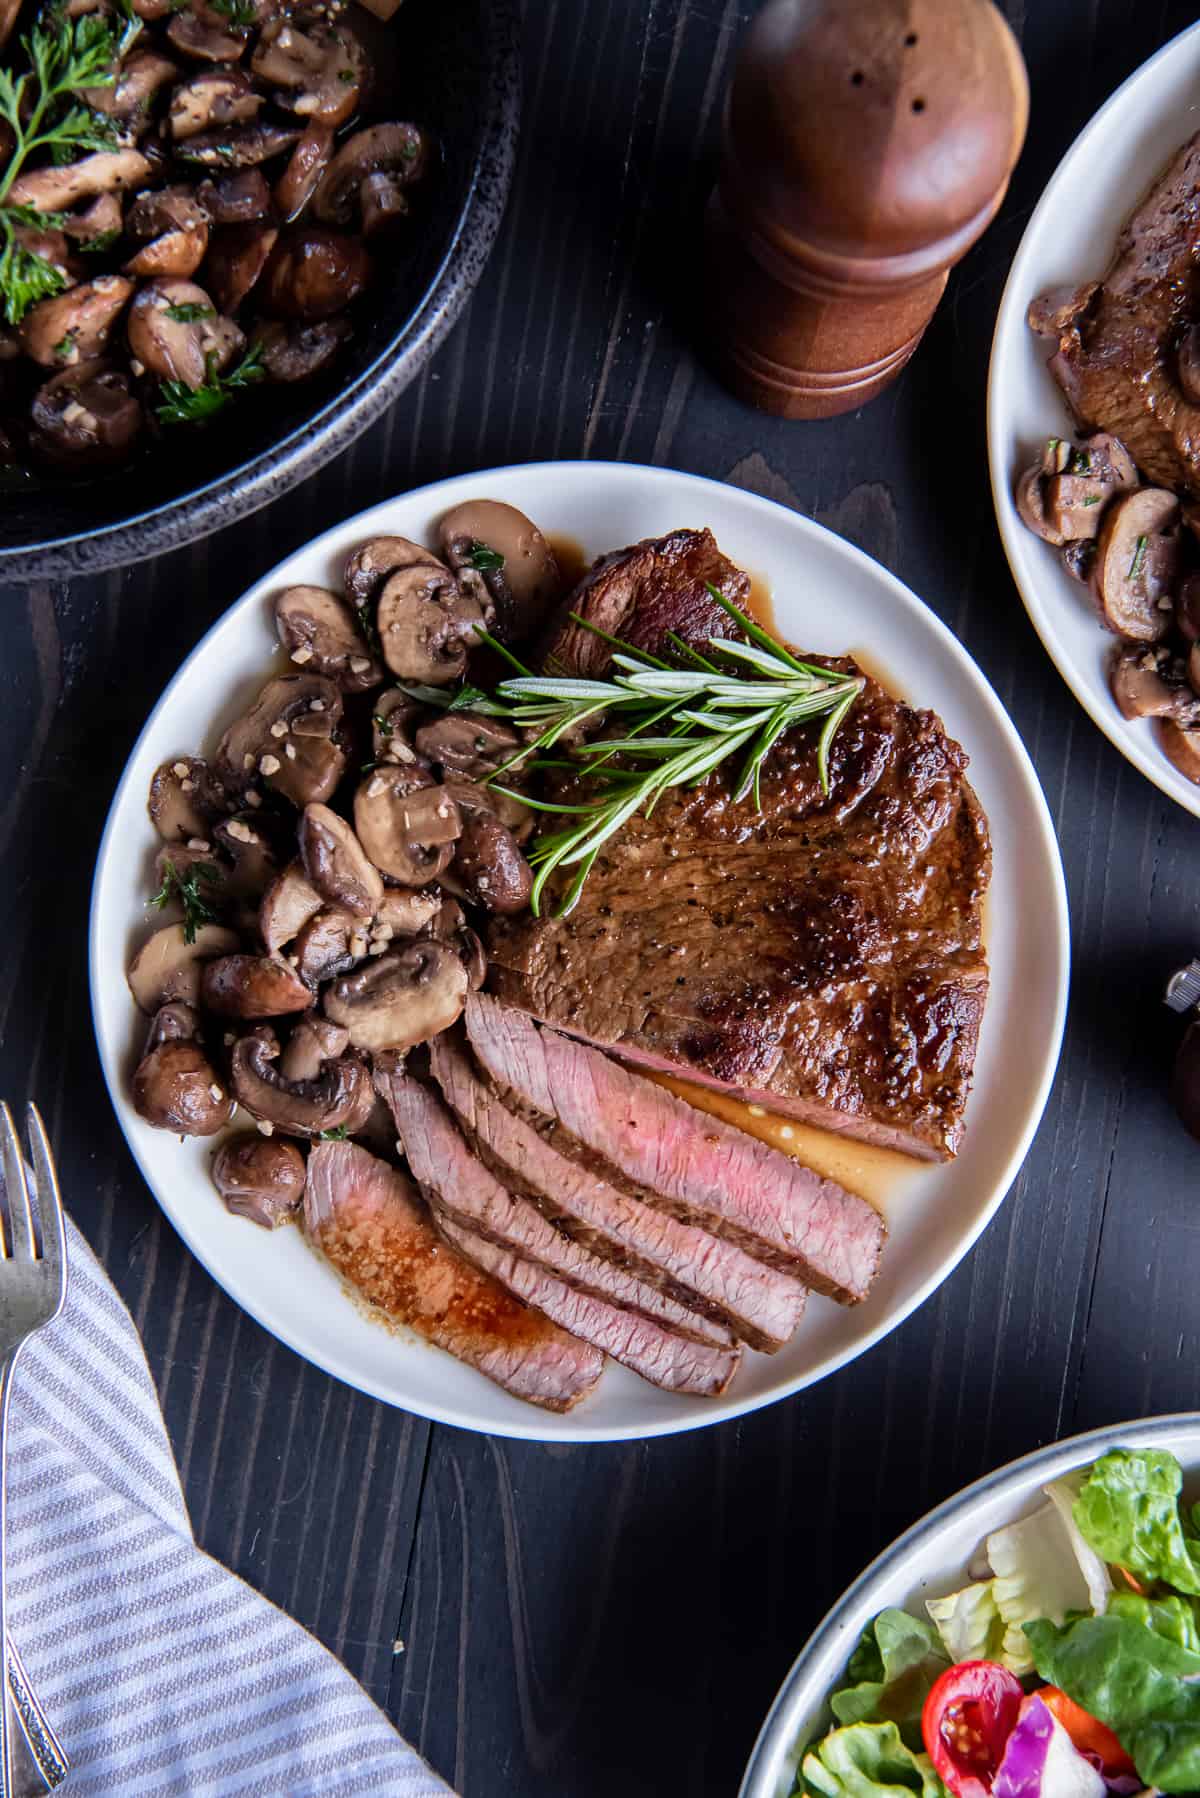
406 913
298 352
1151 681
84 417
237 257
168 967
320 69
176 1089
468 743
398 150
471 796
330 944
314 273
260 1178
81 319
313 1041
336 862
394 712
402 999
368 567
1136 562
252 986
57 189
307 164
1031 506
184 799
339 1097
1181 748
287 905
426 624
254 864
180 348
300 711
527 580
409 833
491 866
220 96
239 146
313 620
235 199
206 42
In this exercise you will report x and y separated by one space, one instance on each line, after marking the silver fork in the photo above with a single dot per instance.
33 1285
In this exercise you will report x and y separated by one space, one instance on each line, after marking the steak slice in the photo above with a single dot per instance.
820 954
457 1185
371 1226
1117 339
503 1213
700 1168
761 1305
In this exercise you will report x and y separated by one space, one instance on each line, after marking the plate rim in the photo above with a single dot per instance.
1149 761
718 1410
776 1736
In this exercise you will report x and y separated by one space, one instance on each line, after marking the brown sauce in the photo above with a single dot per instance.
759 602
875 1174
573 563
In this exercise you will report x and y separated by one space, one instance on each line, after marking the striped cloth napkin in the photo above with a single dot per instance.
160 1671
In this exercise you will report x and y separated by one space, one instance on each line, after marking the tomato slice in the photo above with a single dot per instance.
967 1719
1089 1735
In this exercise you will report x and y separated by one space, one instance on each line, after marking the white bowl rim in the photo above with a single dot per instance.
1146 757
716 1410
778 1733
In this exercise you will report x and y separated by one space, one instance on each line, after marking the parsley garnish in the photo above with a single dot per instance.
196 909
189 313
338 1135
383 725
346 75
1093 501
484 558
103 240
241 13
182 404
368 627
1139 557
64 346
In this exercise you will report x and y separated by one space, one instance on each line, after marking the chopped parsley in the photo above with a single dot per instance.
1093 501
242 14
483 558
189 313
103 240
182 404
347 75
337 1135
368 627
1139 558
383 725
186 886
64 346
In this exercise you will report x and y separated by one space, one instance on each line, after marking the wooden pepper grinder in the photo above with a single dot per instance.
867 144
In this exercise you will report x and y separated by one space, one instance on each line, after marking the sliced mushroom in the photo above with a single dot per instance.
336 862
298 352
1137 562
184 799
384 204
141 76
260 1178
252 986
330 944
308 162
401 999
74 327
339 1098
102 219
368 567
206 42
393 715
238 146
1151 681
450 926
490 865
511 558
1181 747
426 624
169 967
84 417
314 1041
1031 506
320 631
1079 559
214 97
287 905
254 865
176 332
408 834
470 796
287 740
468 743
398 151
237 257
404 913
57 189
319 69
175 1086
235 199
176 253
314 273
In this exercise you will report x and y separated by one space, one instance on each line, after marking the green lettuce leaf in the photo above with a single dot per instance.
1128 1511
897 1660
969 1622
1125 1670
1172 1618
867 1760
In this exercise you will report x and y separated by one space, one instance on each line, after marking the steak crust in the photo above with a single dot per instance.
822 956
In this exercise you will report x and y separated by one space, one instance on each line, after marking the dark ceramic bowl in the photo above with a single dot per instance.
460 77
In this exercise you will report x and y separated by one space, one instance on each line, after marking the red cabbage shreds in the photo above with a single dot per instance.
1041 1761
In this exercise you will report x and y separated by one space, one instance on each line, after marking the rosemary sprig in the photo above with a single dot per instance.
672 725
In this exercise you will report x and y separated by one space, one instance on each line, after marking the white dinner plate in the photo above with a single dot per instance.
929 1561
828 597
1070 239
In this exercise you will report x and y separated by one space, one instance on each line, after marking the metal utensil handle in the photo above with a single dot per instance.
6 1372
32 1741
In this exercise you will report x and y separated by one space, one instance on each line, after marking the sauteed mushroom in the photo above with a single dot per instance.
184 799
409 831
1136 563
314 1041
57 189
450 926
468 743
287 905
494 545
176 332
260 1178
252 986
489 863
298 352
308 162
401 999
242 147
330 944
320 70
236 260
314 273
73 327
287 740
176 224
206 42
392 157
319 631
222 96
336 863
426 623
168 967
175 1086
235 199
84 417
1151 681
339 1097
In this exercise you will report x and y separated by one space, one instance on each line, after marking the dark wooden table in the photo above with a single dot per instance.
591 1621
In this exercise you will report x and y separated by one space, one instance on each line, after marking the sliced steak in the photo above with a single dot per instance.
658 1356
639 594
457 1185
372 1227
820 954
1118 338
537 1156
490 1208
701 1169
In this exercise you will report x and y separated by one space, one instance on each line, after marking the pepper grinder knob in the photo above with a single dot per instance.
867 144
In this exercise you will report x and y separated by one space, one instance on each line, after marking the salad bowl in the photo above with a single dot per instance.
938 1556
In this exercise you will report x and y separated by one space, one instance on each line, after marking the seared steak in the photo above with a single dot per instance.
490 1209
822 956
762 1305
665 1360
701 1169
369 1222
458 1186
1118 338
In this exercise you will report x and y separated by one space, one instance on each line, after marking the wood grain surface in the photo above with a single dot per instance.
580 1622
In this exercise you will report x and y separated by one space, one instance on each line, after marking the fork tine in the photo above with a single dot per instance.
49 1199
21 1246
